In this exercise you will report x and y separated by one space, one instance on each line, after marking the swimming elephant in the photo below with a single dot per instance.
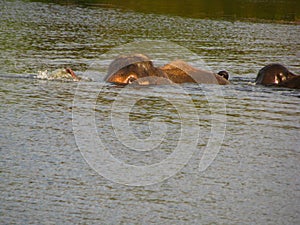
180 72
277 75
127 69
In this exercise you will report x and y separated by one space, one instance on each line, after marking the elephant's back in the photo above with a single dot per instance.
181 72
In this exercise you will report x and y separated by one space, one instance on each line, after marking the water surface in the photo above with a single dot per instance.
254 178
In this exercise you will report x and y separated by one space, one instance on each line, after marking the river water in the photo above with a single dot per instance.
238 155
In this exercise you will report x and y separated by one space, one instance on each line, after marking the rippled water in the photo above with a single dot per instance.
254 178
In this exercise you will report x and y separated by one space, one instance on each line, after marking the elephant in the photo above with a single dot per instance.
181 72
277 75
126 69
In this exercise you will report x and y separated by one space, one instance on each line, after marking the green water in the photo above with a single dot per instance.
274 10
44 178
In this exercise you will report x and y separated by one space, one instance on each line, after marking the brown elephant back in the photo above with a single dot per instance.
181 72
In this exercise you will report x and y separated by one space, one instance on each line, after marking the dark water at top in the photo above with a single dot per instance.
276 10
254 178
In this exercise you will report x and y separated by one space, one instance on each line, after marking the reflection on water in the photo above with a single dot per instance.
44 177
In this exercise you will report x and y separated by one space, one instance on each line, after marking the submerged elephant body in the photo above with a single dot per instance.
293 82
138 68
277 75
126 69
180 72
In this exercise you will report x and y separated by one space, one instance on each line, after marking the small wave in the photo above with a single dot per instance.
58 74
22 76
251 83
61 74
